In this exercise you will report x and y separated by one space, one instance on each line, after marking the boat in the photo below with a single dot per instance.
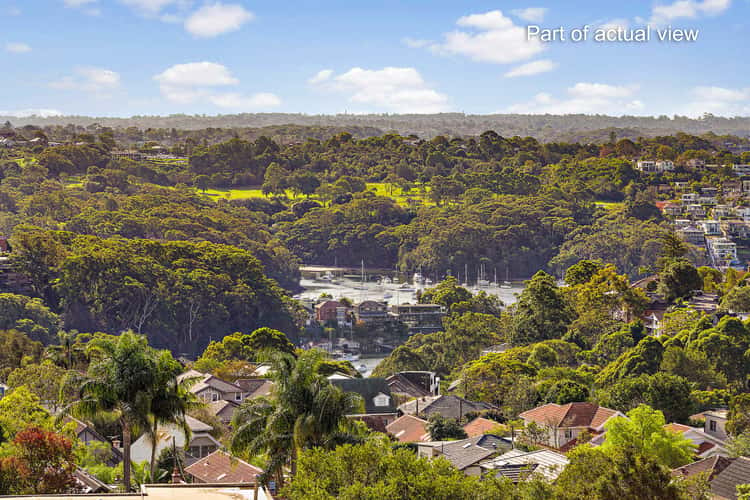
494 282
387 295
362 368
405 287
417 279
428 281
506 283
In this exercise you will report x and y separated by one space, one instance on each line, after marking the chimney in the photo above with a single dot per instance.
176 476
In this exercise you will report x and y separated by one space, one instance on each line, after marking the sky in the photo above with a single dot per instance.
159 57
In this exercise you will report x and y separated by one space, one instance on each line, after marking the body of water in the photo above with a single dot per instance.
382 286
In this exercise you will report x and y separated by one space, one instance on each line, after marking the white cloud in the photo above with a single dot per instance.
239 102
585 98
216 19
17 48
719 101
416 43
399 90
198 81
89 79
152 7
531 14
532 68
25 113
489 37
78 3
687 9
321 76
601 90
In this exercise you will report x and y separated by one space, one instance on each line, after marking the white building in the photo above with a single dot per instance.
654 167
201 443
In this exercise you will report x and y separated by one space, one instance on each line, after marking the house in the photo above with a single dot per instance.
420 318
223 410
370 311
711 227
705 445
722 251
519 465
88 484
654 167
220 467
736 229
379 405
564 423
479 426
466 454
255 387
496 348
88 435
4 246
689 198
741 170
672 209
211 388
692 235
326 311
449 406
715 423
415 384
201 443
724 474
409 429
695 163
695 210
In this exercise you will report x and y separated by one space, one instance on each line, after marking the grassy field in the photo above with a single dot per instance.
379 188
610 205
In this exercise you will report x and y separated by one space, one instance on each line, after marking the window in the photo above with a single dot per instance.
214 396
568 434
712 425
238 396
381 400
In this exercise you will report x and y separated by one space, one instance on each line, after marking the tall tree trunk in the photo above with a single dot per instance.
154 440
126 456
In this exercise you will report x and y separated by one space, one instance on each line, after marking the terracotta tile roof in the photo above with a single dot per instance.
678 428
479 426
220 467
704 447
409 429
569 415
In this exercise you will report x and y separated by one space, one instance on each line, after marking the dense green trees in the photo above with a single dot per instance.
541 313
375 470
178 293
644 433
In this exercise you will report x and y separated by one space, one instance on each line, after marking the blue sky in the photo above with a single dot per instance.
149 57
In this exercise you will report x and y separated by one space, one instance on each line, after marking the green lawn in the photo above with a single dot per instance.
610 205
379 188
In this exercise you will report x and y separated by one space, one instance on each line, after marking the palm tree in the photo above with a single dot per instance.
119 383
171 400
68 351
305 410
